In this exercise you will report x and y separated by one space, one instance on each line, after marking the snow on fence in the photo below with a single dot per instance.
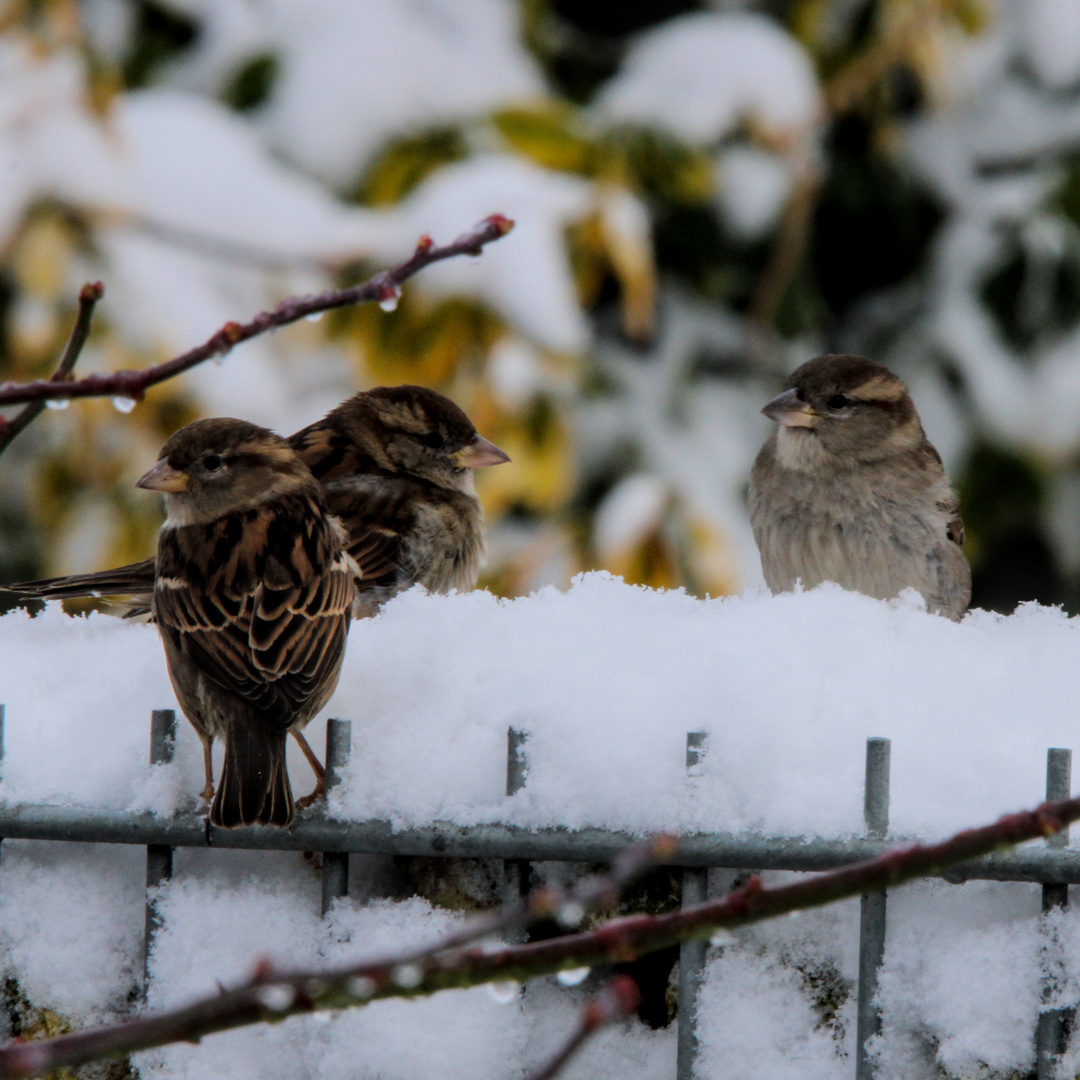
1052 864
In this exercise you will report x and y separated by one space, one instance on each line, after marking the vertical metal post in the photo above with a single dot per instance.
517 760
872 913
335 866
159 857
516 872
1 758
1052 1031
691 953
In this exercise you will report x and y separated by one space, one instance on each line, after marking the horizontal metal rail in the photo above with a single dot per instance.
496 841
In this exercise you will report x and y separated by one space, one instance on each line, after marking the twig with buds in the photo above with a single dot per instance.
383 287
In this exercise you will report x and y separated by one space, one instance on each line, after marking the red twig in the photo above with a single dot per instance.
620 999
550 902
271 995
383 286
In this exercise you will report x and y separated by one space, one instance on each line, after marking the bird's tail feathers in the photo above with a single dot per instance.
254 787
134 579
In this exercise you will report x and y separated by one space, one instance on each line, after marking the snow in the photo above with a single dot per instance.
367 72
700 75
607 679
1053 32
525 277
753 187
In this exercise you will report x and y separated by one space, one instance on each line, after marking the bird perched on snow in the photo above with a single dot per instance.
848 489
396 466
252 598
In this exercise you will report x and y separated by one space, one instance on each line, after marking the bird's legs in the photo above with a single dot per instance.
316 768
208 765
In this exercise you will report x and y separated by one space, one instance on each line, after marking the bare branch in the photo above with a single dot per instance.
383 286
620 999
548 902
89 295
271 996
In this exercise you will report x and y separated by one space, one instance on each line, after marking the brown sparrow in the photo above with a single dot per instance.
849 489
396 466
252 597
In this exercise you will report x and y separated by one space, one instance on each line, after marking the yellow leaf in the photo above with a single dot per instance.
405 162
544 134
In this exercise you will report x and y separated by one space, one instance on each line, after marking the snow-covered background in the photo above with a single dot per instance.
206 158
607 678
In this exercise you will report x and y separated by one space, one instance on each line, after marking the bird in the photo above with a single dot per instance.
849 489
396 465
252 597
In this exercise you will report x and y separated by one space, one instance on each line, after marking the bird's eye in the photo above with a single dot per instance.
212 462
433 439
838 401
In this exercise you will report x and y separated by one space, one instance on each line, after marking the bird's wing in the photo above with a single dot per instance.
269 619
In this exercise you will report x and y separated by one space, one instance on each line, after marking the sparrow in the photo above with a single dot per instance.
395 464
396 467
849 489
252 598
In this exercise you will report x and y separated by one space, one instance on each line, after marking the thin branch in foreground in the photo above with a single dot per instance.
89 295
271 996
619 999
383 287
549 902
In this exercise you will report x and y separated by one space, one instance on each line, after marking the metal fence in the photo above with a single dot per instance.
1052 864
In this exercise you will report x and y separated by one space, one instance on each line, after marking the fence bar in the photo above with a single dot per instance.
872 911
159 857
691 953
1052 1032
516 872
335 866
97 825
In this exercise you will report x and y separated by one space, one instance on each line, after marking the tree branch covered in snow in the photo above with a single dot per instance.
271 995
383 287
89 295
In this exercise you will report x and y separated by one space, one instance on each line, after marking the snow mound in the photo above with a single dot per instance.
607 679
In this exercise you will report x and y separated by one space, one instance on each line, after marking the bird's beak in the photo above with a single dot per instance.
480 452
787 409
163 477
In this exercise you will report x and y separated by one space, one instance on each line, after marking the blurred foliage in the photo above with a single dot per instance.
861 225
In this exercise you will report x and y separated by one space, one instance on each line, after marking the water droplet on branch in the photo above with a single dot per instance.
123 404
361 987
59 404
276 997
503 993
570 914
573 976
389 297
315 316
407 976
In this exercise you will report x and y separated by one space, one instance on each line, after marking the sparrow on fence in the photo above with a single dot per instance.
395 464
849 489
252 598
396 467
